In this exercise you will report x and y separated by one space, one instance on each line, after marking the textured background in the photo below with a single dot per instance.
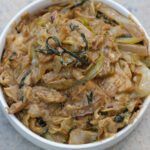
138 140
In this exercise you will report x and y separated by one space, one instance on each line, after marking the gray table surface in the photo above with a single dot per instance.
138 140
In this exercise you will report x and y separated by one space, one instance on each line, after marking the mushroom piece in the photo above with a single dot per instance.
48 95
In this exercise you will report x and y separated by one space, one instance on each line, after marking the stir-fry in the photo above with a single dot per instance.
77 72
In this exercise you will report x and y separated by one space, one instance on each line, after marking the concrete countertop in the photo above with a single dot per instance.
138 140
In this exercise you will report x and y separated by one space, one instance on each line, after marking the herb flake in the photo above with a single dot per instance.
50 50
85 41
107 20
12 57
90 97
23 79
78 4
73 27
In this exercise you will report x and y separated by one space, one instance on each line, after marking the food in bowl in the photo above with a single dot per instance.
76 72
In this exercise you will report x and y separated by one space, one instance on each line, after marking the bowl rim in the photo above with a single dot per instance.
16 123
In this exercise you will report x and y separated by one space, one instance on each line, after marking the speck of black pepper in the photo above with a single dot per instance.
104 113
41 122
119 118
21 98
52 19
62 105
125 110
136 109
18 31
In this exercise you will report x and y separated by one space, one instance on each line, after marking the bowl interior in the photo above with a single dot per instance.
33 8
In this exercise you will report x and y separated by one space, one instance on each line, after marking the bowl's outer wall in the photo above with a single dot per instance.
49 145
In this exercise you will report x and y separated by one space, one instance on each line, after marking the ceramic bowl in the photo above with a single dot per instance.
50 145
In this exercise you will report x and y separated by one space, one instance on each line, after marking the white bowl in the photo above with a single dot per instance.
49 145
